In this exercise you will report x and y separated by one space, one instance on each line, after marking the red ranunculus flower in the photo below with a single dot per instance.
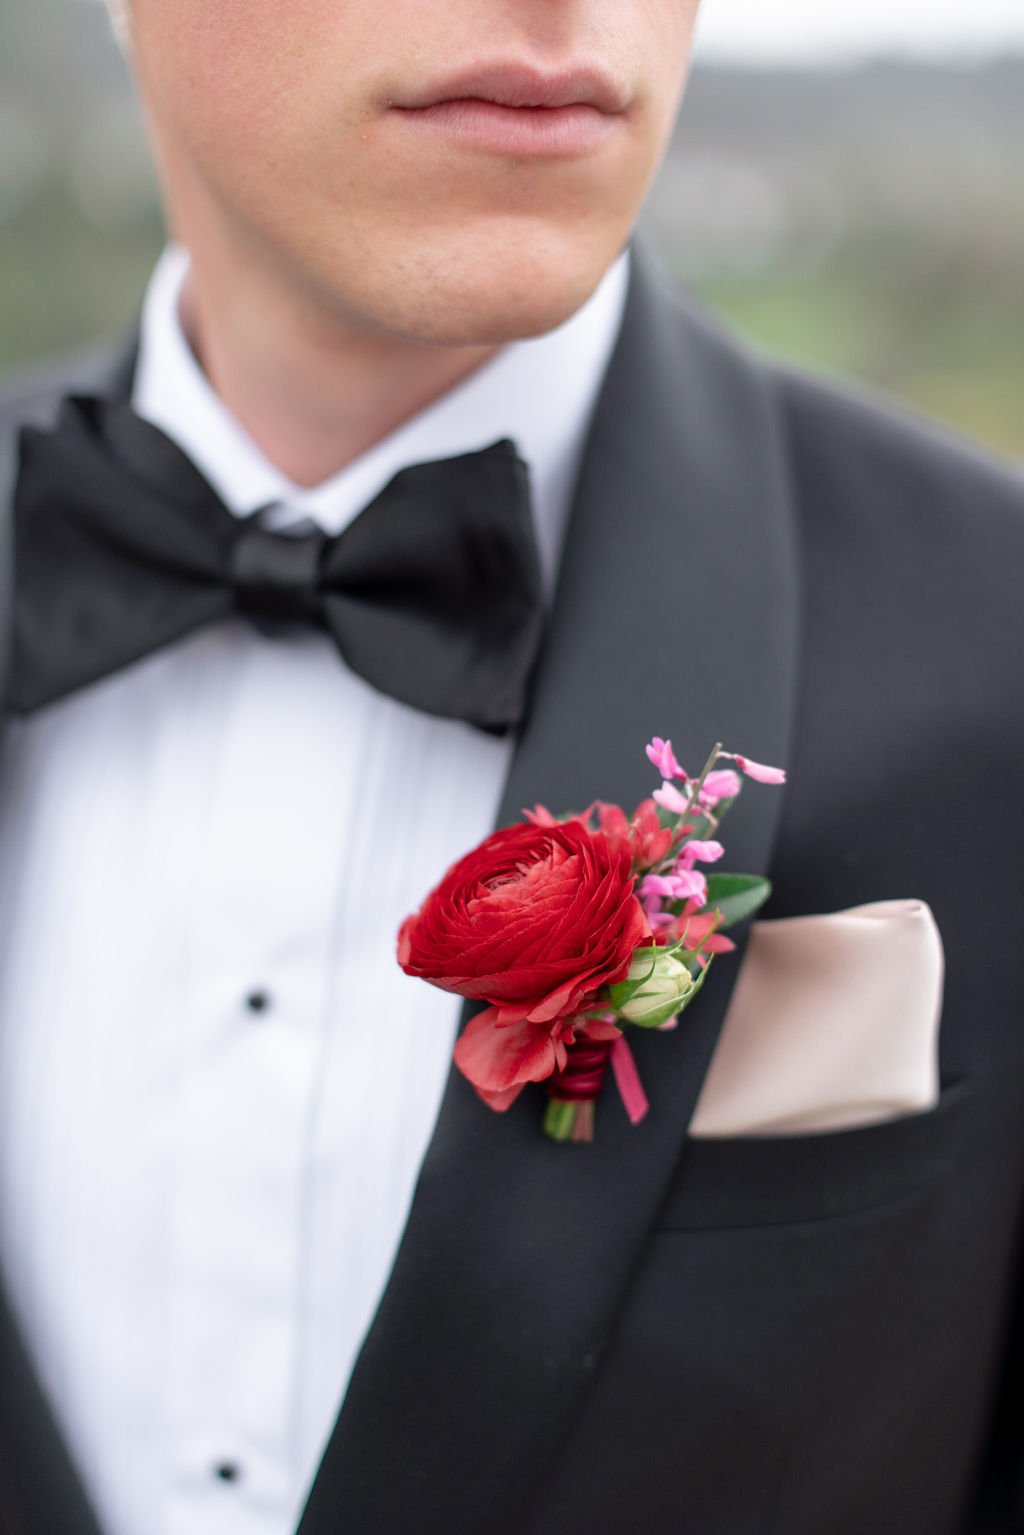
534 921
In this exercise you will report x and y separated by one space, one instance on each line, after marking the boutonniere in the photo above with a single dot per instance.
575 929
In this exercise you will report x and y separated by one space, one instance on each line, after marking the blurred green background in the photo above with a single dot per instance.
868 220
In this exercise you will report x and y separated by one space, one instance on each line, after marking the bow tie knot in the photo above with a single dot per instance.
275 574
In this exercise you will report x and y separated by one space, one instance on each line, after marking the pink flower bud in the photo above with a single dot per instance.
757 770
664 758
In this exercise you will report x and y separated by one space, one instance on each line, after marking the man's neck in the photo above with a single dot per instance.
312 394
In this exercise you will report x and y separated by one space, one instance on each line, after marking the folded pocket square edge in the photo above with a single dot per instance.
833 1023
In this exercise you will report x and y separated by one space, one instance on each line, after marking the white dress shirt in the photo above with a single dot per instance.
216 1085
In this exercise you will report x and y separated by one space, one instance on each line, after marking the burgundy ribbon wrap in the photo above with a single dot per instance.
582 1078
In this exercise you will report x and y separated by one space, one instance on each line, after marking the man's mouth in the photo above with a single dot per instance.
515 109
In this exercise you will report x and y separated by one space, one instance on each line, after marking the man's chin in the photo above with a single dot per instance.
486 324
488 299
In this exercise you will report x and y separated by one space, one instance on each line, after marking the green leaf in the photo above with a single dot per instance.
702 828
625 991
700 978
737 896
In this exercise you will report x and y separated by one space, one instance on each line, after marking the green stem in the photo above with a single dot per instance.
705 770
559 1119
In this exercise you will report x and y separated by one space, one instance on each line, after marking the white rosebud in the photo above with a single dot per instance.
668 986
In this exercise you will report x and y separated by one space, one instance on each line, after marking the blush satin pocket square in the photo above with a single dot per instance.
834 1022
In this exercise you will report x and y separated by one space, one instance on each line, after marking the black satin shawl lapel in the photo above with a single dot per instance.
8 469
676 614
40 1493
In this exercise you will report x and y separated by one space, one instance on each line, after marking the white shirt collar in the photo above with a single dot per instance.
539 392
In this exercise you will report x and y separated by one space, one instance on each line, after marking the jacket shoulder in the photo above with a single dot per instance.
912 547
30 396
858 465
869 466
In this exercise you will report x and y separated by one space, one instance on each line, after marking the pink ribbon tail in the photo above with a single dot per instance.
627 1080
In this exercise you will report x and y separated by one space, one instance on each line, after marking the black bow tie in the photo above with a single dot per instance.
121 546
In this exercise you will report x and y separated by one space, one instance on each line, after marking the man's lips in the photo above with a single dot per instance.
523 86
512 109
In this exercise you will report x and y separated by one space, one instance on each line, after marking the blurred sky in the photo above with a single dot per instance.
781 30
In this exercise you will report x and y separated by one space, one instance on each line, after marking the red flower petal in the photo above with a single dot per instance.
496 1060
534 921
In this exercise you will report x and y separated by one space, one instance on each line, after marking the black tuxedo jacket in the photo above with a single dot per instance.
813 1335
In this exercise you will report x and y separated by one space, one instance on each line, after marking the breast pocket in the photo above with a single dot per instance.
774 1180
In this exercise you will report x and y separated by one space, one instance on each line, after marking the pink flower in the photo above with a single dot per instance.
684 885
722 784
653 889
700 852
670 799
690 885
664 758
757 770
656 886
